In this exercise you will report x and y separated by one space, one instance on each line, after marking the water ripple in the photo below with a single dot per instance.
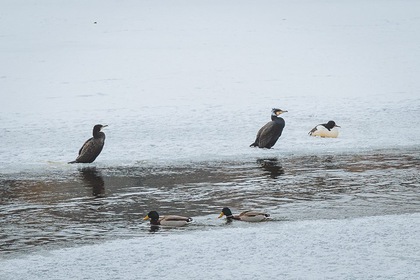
92 204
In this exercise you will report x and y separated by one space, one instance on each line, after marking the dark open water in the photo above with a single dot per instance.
62 208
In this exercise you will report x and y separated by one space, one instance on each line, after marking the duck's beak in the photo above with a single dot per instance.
221 215
146 218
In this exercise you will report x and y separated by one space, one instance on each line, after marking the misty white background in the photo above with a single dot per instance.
195 80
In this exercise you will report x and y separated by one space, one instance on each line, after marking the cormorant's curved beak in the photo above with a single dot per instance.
104 126
337 126
146 218
221 215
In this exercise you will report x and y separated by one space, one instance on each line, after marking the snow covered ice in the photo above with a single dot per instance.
367 248
184 87
211 71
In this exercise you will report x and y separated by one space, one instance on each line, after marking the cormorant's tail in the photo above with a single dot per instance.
254 144
70 162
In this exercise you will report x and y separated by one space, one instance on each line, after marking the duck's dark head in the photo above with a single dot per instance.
331 124
153 215
275 112
97 129
226 212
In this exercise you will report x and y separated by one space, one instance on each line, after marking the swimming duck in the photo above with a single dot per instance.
92 147
325 130
170 221
247 216
268 135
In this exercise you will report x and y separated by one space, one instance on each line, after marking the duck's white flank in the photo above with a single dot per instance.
322 131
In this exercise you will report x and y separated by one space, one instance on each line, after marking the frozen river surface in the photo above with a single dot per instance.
334 216
184 87
365 248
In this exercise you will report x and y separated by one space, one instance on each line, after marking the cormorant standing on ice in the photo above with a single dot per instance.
92 147
268 135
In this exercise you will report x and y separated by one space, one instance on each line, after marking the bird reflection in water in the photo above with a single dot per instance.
272 166
93 179
154 228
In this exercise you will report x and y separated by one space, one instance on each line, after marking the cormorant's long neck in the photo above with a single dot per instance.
278 120
98 134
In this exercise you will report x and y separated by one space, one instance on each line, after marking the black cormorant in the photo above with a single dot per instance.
268 135
92 147
325 130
